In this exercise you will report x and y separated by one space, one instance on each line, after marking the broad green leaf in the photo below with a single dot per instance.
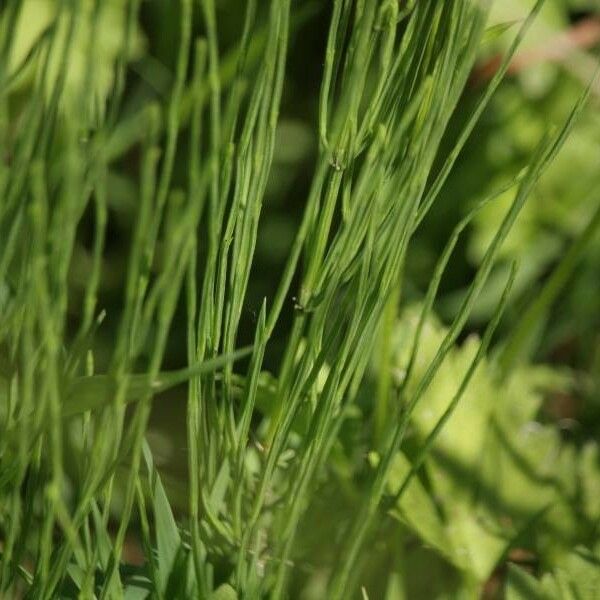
520 585
417 510
479 545
471 415
580 573
577 577
104 28
490 442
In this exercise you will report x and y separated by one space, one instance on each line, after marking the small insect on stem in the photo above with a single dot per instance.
298 305
336 163
303 308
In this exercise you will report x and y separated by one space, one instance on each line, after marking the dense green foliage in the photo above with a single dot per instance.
297 300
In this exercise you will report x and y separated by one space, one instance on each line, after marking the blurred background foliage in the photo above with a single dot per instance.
518 461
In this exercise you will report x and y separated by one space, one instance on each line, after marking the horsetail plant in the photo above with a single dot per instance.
77 474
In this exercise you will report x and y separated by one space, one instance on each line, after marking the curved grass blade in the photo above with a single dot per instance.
481 352
521 335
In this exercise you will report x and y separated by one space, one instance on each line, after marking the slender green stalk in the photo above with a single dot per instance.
95 159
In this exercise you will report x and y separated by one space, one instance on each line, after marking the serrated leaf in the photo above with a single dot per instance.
417 510
520 585
581 569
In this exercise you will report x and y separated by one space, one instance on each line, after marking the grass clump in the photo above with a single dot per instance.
186 170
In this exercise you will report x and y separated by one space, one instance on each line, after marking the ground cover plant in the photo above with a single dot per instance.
231 363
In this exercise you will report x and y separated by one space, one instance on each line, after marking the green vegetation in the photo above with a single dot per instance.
298 301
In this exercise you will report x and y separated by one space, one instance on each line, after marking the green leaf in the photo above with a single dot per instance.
577 577
478 543
168 540
417 510
589 476
217 494
136 584
94 392
135 592
581 573
106 27
520 585
177 584
102 539
492 33
225 592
